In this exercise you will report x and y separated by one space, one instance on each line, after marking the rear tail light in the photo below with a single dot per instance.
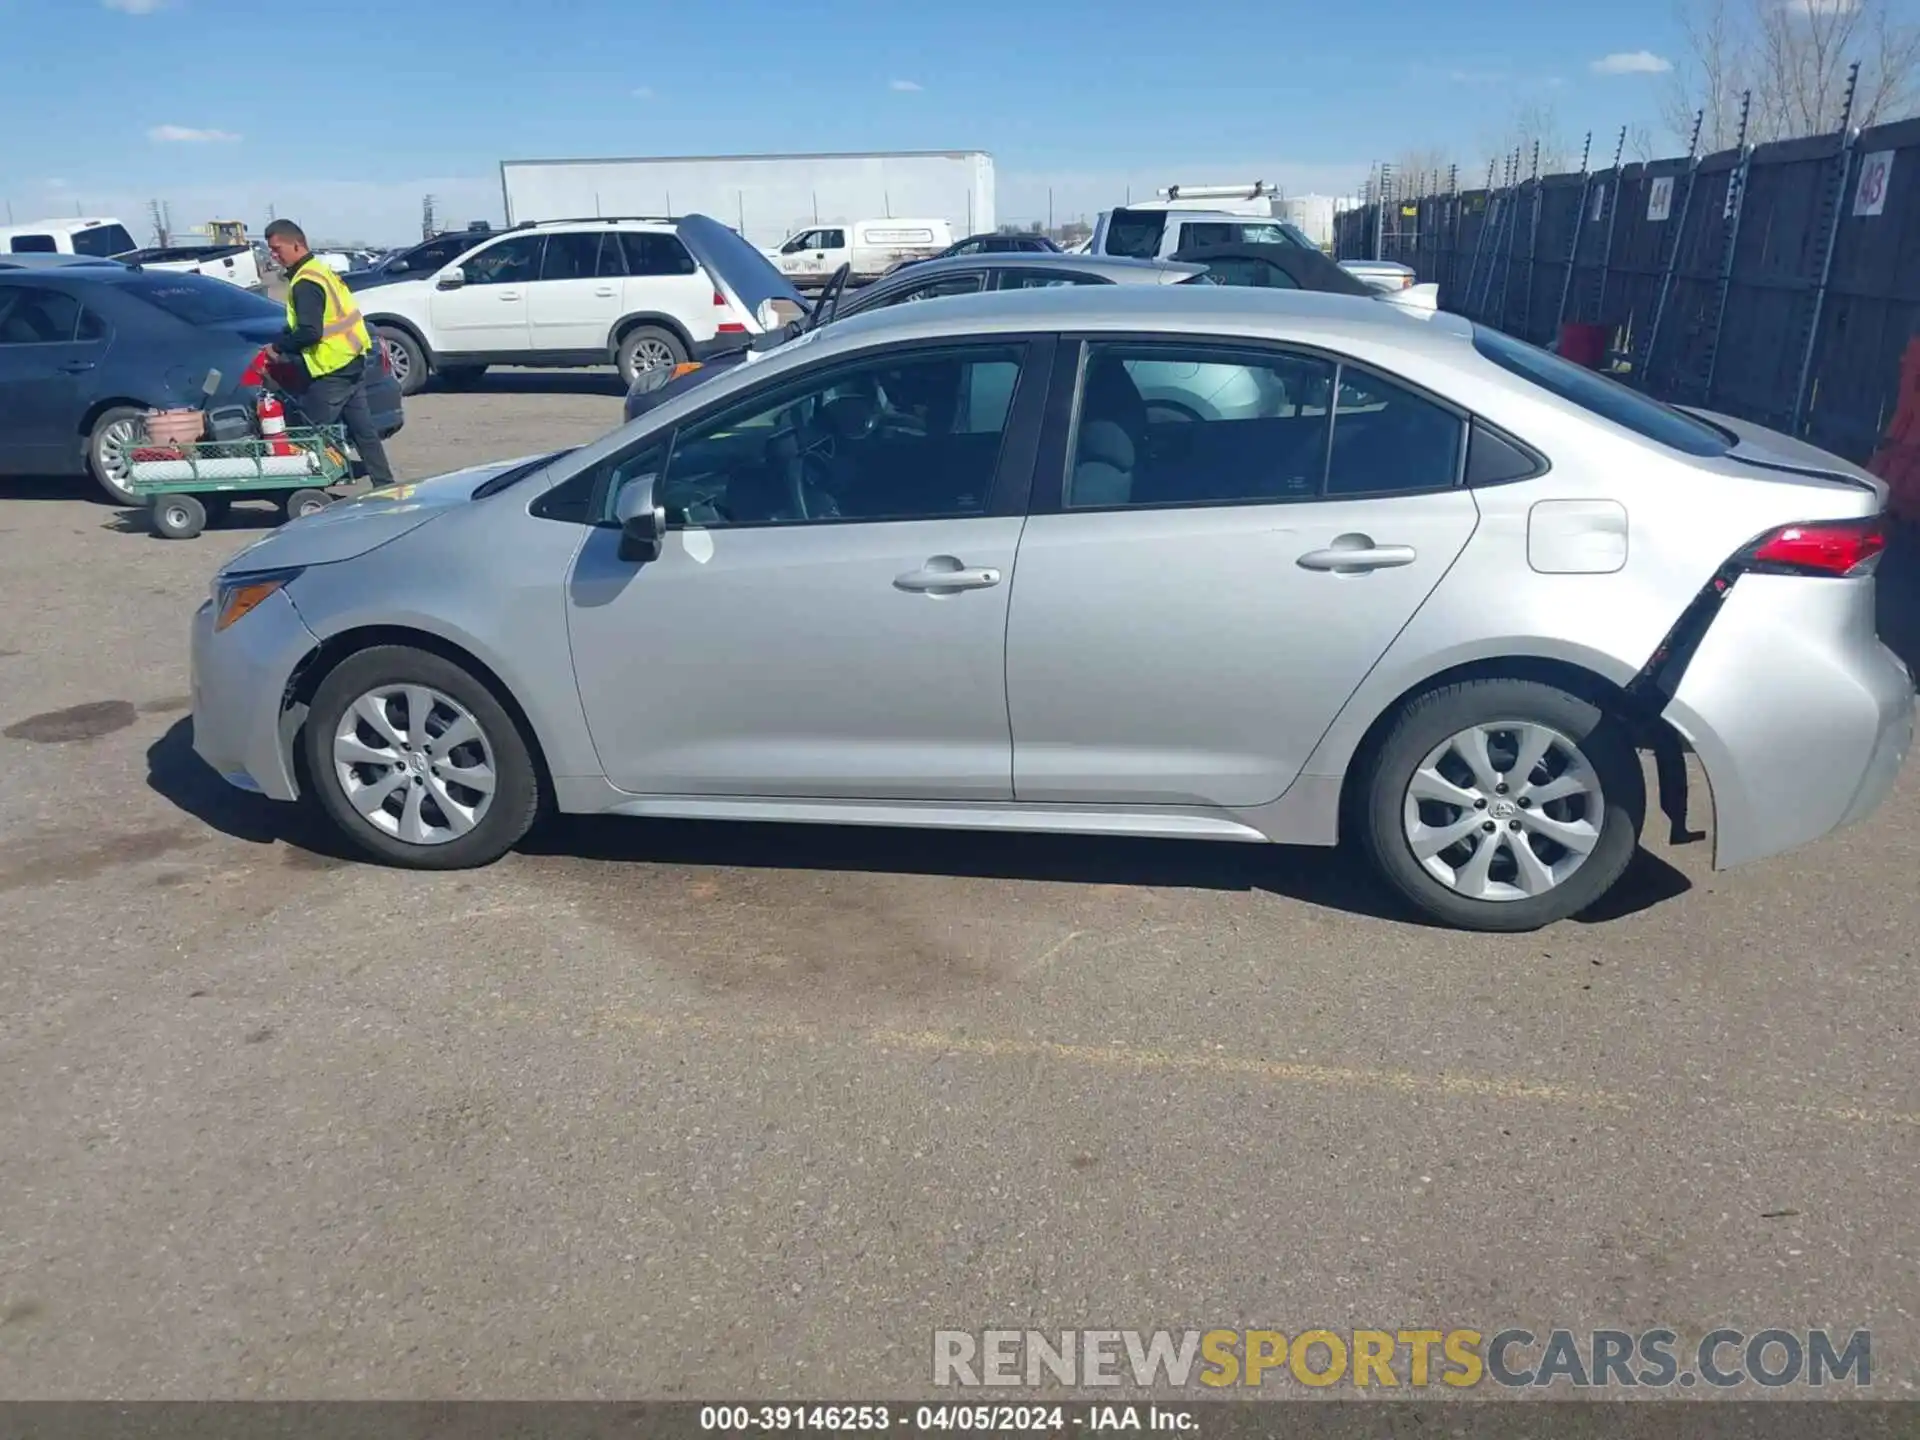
727 327
1831 548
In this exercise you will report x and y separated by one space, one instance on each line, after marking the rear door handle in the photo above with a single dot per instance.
76 367
943 572
605 292
1347 560
509 294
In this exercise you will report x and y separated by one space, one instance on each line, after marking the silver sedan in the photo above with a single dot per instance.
980 563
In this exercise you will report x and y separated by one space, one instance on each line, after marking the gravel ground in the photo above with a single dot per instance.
676 1110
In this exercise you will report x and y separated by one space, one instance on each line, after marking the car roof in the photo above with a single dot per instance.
1113 267
44 261
1173 309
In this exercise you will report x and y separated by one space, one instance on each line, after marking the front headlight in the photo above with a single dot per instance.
235 595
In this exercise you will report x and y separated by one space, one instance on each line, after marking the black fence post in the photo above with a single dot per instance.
1613 225
1643 375
1837 199
1736 205
1579 226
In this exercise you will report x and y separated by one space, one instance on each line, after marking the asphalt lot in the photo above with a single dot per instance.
672 1110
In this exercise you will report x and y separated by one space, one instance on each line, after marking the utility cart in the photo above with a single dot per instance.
188 483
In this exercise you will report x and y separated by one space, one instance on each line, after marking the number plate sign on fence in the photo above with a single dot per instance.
1660 197
1599 200
1870 198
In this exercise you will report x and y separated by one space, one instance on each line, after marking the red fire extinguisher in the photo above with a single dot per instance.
273 424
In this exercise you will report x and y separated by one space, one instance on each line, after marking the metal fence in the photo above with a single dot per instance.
1779 283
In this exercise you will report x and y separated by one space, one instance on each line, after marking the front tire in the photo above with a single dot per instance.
647 347
1503 804
405 358
109 448
417 763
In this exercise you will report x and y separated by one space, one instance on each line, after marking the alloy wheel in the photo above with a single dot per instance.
115 448
1504 811
651 354
414 763
398 361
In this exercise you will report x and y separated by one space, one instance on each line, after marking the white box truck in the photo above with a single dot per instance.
769 199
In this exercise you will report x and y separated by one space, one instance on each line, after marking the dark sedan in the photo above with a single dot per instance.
84 352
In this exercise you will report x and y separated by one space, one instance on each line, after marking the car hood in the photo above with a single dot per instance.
742 273
366 522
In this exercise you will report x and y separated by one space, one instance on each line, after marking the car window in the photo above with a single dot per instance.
1247 271
1135 233
506 262
436 256
832 239
612 262
199 299
1045 279
1599 395
1388 440
966 283
91 327
805 240
651 253
1197 424
31 316
905 437
967 247
571 256
102 241
33 245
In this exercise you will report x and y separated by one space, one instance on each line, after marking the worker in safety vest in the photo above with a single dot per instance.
328 336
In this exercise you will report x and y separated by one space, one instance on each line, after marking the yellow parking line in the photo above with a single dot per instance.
1144 1060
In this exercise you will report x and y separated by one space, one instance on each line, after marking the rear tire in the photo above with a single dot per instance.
108 443
405 358
444 690
305 502
1588 768
647 347
178 517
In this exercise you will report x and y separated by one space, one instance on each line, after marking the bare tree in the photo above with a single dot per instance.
1533 122
1794 56
1421 171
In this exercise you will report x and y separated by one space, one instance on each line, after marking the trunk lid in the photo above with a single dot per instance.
738 271
1787 459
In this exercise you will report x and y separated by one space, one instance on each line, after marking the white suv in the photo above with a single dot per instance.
636 293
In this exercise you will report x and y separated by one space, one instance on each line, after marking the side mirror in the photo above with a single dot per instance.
643 520
452 278
398 267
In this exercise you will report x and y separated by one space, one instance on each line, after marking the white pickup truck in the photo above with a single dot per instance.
107 239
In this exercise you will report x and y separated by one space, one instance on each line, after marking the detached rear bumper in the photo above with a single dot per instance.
1800 716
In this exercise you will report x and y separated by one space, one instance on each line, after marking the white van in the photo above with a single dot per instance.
870 247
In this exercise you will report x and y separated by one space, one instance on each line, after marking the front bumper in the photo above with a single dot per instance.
1800 716
240 678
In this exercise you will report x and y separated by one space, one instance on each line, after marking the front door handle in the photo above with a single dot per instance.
605 292
76 367
509 294
1356 554
943 572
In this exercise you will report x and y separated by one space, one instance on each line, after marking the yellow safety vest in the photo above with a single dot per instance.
343 330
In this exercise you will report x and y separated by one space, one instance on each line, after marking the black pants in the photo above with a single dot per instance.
342 396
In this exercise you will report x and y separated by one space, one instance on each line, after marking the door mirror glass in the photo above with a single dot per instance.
398 267
452 278
643 522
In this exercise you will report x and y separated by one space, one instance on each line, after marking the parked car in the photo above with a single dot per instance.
1147 231
103 238
870 247
561 293
86 350
939 565
1261 266
993 244
57 262
417 260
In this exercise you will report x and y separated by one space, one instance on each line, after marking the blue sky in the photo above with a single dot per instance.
108 103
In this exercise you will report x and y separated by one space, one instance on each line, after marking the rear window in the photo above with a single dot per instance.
1599 395
199 300
1135 233
103 241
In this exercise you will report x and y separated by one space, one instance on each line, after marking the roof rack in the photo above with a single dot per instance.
598 220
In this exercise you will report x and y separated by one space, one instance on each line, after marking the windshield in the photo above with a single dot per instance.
199 300
1599 395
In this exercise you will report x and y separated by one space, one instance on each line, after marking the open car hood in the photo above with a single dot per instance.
743 274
